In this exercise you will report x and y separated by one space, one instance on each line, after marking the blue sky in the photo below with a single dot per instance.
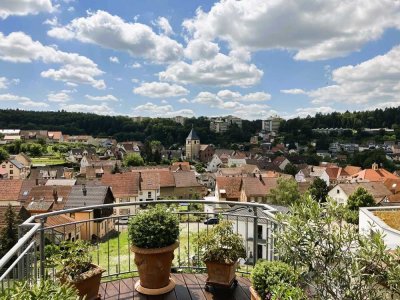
248 58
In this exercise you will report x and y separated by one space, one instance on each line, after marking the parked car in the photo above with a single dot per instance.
211 221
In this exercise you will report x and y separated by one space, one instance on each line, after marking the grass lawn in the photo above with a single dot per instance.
48 160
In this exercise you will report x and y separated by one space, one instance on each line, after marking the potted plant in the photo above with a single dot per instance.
221 248
153 234
76 268
274 280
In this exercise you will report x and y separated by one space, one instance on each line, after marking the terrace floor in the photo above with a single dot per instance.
188 287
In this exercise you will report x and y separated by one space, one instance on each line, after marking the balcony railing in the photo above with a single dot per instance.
110 244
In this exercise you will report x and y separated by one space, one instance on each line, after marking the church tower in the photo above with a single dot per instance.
192 145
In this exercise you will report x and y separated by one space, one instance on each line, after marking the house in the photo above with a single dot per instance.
23 159
312 172
149 186
214 164
97 167
44 199
281 162
42 174
206 153
187 186
228 188
129 147
253 189
60 182
61 228
76 154
374 174
383 220
15 169
101 225
180 166
237 159
125 188
55 137
342 191
29 135
82 139
9 192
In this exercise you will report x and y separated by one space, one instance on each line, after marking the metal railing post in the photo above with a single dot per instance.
255 235
20 264
41 249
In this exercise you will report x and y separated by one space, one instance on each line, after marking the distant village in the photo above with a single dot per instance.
78 171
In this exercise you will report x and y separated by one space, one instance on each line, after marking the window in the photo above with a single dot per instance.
11 172
11 177
148 194
11 166
337 192
259 231
3 166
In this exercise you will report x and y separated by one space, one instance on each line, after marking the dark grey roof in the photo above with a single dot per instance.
95 195
17 163
193 135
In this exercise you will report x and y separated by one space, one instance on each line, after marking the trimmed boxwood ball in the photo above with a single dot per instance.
271 277
156 227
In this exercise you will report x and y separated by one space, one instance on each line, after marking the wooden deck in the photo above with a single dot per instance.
188 287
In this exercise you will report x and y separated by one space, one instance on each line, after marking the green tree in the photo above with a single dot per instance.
290 169
286 192
133 159
335 260
9 234
360 198
319 190
3 155
199 168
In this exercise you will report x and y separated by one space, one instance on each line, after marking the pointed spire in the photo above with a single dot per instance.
193 135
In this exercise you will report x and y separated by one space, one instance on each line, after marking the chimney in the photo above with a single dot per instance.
37 181
84 190
55 194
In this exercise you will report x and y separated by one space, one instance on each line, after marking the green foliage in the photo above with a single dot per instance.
221 244
9 233
274 277
156 227
133 159
360 198
286 193
3 155
73 258
290 169
335 260
200 168
319 190
45 290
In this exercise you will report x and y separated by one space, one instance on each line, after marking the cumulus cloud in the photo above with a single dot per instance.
372 82
24 7
294 92
153 110
12 97
135 65
164 26
221 70
160 90
33 104
60 97
114 59
19 47
101 109
311 111
109 31
309 28
228 99
183 101
201 49
102 98
5 82
51 22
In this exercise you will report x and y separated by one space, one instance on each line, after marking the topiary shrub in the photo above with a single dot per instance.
275 280
156 227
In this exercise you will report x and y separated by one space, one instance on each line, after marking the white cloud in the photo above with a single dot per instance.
221 70
160 90
18 47
256 97
315 29
11 97
311 111
183 101
60 97
52 22
114 59
33 104
24 7
101 109
102 98
372 82
253 111
108 31
201 49
164 25
135 80
135 65
228 99
294 92
71 9
5 82
164 101
154 110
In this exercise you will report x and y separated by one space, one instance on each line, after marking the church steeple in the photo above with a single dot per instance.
193 135
192 145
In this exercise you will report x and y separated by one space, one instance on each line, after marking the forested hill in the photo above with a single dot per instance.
123 128
377 118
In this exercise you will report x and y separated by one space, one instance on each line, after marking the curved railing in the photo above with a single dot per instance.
110 246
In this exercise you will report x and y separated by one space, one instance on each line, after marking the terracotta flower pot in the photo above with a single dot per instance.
154 266
89 283
220 273
254 295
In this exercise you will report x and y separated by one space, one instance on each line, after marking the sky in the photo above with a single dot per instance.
158 58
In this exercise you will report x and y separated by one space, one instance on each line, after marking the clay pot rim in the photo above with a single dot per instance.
155 250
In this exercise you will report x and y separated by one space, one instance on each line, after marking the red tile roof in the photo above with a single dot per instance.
122 184
10 189
185 179
375 175
58 195
231 185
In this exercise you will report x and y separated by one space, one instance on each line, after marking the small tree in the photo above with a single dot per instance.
319 190
9 234
133 159
336 262
291 169
3 155
286 193
360 198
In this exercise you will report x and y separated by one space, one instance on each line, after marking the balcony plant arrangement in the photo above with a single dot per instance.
221 249
272 280
153 234
76 268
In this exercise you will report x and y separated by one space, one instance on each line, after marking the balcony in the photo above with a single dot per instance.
110 247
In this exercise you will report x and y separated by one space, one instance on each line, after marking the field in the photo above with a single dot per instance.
48 161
